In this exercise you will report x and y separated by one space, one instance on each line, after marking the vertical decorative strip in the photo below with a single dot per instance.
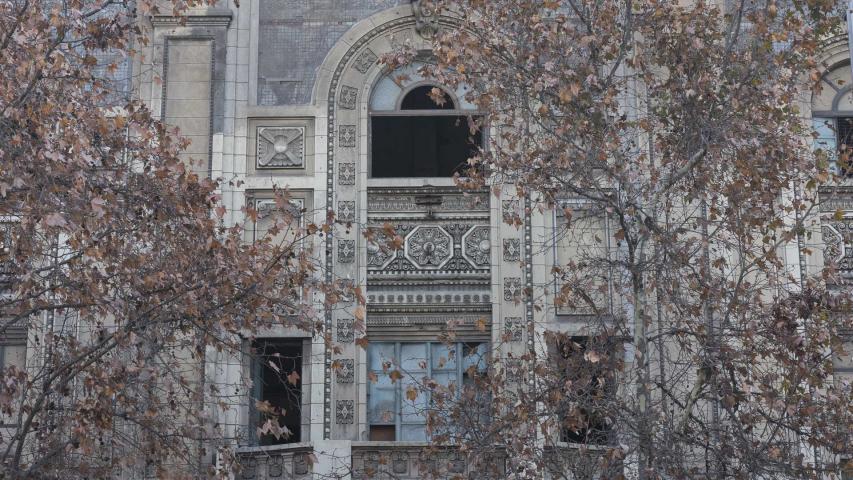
528 285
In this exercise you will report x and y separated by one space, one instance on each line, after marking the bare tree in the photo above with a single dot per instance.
668 137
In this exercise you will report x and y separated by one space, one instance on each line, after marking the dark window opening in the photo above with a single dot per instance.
422 146
844 133
277 369
420 98
584 410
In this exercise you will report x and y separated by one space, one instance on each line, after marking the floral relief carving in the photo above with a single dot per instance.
346 370
249 468
344 412
346 330
512 289
513 328
346 211
348 97
512 250
346 135
346 174
429 246
365 60
378 255
280 147
509 208
476 246
346 251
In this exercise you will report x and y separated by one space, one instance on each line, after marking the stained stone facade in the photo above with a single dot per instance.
278 93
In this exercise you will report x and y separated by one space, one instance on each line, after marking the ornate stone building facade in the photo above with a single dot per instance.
276 93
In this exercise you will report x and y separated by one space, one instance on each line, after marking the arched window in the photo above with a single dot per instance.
832 115
419 129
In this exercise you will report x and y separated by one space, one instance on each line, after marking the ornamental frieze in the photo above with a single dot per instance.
476 246
433 200
429 246
838 247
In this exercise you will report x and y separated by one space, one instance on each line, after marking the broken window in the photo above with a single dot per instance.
426 135
277 390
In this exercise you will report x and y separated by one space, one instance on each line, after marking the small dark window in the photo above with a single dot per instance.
844 129
420 98
422 139
277 369
585 407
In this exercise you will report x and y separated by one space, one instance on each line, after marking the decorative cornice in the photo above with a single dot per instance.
212 17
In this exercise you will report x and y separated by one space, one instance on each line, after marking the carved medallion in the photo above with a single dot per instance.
477 247
346 174
348 97
512 250
280 147
429 246
345 412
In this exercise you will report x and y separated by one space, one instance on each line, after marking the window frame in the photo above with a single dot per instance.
457 111
398 385
254 369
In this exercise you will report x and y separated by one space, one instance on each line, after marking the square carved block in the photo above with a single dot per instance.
280 147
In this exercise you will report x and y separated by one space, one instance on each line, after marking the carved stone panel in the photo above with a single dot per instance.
346 211
346 174
280 147
345 412
365 60
512 250
346 251
429 246
348 97
513 328
346 330
346 135
512 289
346 370
477 247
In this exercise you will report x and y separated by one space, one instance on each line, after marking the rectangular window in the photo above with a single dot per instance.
277 387
834 137
587 364
582 257
398 368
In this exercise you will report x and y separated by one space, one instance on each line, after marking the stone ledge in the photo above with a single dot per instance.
211 17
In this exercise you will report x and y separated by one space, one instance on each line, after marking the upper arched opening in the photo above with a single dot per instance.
419 128
832 113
